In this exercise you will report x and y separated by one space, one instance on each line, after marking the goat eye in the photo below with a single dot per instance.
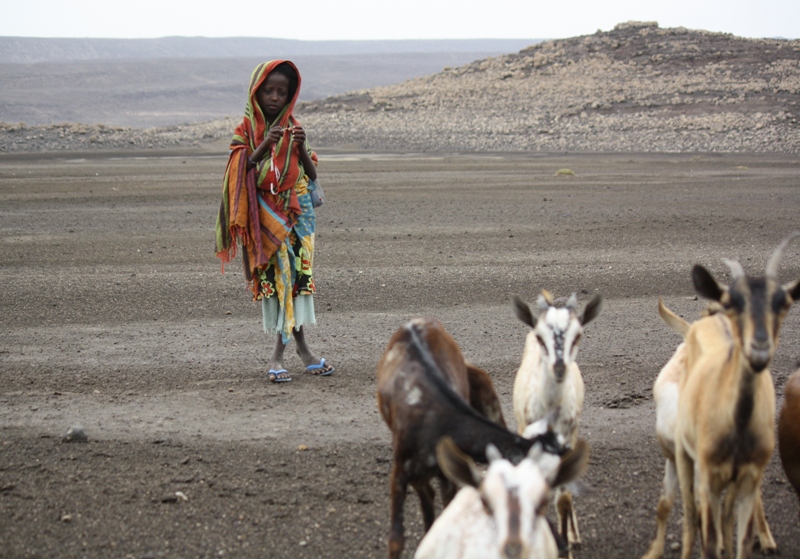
540 340
779 301
737 301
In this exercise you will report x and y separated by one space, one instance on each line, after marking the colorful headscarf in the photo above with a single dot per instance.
241 219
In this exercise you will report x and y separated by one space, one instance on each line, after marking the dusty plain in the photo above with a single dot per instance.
115 316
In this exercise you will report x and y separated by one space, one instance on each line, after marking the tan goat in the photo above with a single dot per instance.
789 431
665 394
725 430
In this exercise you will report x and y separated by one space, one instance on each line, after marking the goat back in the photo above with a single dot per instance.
418 353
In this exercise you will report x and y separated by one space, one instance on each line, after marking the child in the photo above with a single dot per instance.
266 206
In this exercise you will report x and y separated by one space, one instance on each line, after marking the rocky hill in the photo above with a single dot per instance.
635 88
638 87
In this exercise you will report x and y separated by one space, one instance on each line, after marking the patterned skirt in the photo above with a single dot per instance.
286 284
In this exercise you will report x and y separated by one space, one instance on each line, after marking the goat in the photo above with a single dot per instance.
724 434
665 394
500 514
423 393
549 380
789 431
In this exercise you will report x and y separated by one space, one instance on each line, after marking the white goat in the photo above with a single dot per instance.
499 515
549 382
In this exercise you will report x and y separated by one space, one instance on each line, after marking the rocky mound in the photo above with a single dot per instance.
635 88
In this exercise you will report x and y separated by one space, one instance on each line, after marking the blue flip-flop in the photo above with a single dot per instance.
274 375
324 370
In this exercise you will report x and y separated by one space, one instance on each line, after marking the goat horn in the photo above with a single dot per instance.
775 260
572 302
544 300
736 269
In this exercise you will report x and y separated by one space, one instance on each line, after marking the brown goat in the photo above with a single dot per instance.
789 431
725 431
424 393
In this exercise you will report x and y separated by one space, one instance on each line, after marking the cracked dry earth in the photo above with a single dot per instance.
115 317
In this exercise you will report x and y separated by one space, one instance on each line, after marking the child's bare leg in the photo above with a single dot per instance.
306 355
276 362
303 351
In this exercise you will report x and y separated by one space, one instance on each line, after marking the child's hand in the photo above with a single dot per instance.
298 135
274 135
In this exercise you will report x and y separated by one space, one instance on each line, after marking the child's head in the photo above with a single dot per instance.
277 90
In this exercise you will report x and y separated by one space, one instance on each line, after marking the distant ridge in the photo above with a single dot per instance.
27 50
637 88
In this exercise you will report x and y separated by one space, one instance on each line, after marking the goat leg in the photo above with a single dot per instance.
575 534
746 507
399 486
710 519
765 539
665 504
727 519
685 467
564 512
426 502
561 543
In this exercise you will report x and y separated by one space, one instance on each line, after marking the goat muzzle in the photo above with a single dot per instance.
759 357
512 549
560 369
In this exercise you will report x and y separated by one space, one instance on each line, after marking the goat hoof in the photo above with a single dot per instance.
396 548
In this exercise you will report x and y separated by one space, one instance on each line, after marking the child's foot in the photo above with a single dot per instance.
322 368
279 375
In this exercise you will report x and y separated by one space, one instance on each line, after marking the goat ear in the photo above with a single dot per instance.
705 284
592 310
572 464
793 289
572 302
455 465
523 312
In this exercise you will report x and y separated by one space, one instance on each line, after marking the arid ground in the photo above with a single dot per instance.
115 317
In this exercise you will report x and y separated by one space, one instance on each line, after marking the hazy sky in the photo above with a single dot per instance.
397 19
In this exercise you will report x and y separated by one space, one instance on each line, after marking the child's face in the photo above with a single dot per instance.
273 95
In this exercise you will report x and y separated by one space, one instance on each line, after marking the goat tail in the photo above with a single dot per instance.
675 322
